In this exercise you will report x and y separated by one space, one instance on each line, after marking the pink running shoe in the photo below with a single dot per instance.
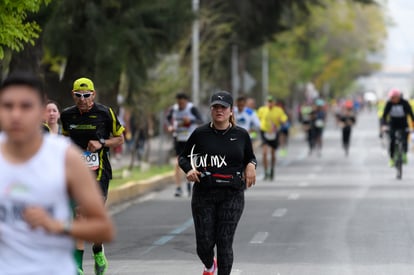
214 269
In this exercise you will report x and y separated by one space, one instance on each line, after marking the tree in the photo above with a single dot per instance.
16 30
104 39
329 48
247 24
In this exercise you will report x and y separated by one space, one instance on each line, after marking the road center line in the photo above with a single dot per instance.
293 196
172 234
259 237
280 212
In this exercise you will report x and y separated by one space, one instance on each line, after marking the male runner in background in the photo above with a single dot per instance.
94 128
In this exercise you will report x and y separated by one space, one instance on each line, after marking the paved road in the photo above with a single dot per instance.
328 215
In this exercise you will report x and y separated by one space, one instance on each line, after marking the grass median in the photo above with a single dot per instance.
137 174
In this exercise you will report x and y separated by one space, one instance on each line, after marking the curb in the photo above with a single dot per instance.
134 189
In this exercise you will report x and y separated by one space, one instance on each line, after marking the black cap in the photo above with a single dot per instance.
222 98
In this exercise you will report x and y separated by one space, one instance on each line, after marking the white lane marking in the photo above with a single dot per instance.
176 231
280 212
236 272
259 237
303 184
293 196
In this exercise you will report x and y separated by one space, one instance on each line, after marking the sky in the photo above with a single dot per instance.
399 52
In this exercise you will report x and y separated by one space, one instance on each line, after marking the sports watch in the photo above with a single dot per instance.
102 142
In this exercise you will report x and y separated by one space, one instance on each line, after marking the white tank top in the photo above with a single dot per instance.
183 132
39 182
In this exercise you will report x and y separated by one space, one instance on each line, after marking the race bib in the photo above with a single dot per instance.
319 123
91 159
270 135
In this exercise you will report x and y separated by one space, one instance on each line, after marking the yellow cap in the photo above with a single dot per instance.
83 84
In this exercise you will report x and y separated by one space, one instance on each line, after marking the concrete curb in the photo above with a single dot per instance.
134 189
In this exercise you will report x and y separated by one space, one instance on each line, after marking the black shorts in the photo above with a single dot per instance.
274 143
104 186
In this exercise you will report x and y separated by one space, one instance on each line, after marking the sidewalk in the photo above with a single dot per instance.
159 154
159 146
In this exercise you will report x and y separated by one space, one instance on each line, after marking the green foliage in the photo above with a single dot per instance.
17 30
108 38
137 174
329 47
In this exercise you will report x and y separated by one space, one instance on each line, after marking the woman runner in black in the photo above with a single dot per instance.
219 158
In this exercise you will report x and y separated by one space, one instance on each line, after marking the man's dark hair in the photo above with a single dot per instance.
241 98
182 96
25 79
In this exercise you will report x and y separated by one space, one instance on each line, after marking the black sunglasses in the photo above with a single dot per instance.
84 95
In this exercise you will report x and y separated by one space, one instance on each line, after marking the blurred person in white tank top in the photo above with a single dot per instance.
39 175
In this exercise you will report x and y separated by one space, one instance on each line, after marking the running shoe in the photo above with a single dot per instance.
178 192
101 264
391 163
283 152
206 272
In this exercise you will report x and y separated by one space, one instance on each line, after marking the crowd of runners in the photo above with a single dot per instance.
52 159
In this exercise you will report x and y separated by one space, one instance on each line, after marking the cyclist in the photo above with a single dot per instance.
182 119
271 118
397 109
94 128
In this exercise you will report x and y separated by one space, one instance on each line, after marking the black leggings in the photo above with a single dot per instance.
216 213
346 136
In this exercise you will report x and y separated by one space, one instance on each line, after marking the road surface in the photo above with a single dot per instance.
327 215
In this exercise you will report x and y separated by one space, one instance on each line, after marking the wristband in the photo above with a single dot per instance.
254 163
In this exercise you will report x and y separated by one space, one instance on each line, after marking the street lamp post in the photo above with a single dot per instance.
265 72
195 55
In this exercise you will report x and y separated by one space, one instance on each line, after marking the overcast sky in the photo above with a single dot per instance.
400 42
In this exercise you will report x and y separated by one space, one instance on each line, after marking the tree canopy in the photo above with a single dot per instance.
330 48
16 29
127 46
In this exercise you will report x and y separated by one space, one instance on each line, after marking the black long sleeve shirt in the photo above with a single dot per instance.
217 151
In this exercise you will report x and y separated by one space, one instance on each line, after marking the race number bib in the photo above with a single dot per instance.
319 123
270 135
91 159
